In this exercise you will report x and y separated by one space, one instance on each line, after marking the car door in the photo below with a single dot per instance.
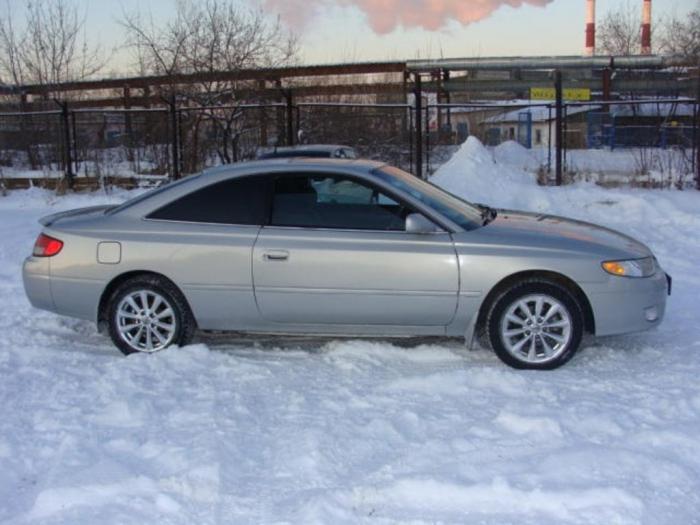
204 241
336 251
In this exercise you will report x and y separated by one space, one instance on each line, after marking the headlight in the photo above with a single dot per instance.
633 268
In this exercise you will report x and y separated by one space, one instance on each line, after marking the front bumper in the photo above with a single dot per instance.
37 282
626 305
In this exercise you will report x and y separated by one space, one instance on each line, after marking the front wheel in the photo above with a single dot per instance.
536 324
148 314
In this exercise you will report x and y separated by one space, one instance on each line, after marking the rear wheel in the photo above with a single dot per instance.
536 324
148 314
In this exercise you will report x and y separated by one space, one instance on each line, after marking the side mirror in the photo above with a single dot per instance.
417 223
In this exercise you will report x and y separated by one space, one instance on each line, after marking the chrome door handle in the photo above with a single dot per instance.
276 255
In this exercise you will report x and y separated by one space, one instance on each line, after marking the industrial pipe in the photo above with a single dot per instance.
553 62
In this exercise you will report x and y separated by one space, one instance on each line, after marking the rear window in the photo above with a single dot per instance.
234 201
167 186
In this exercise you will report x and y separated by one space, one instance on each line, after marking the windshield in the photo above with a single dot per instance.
463 213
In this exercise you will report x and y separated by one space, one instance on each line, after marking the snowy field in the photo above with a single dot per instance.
335 432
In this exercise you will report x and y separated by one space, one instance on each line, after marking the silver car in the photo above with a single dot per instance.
341 248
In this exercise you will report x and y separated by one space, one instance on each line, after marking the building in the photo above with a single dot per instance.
533 126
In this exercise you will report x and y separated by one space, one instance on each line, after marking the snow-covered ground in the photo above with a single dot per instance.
670 167
101 162
288 431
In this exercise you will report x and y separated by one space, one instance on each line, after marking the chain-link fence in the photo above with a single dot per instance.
211 136
648 142
642 142
117 143
36 142
382 132
177 141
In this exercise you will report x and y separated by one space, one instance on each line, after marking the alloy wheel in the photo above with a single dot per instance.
146 321
536 328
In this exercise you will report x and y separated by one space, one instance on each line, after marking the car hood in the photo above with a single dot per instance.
551 231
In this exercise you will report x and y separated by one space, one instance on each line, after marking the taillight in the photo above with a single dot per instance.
46 246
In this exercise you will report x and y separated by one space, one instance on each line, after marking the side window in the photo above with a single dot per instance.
234 201
321 201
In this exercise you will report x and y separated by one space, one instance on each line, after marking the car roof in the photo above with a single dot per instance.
358 167
295 163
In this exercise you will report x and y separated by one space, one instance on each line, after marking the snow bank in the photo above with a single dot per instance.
663 167
474 172
286 431
517 155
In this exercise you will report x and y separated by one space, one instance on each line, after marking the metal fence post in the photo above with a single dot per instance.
448 98
174 138
410 136
418 94
427 141
549 140
65 128
559 128
182 154
694 144
696 130
289 99
74 142
128 127
607 87
262 111
565 138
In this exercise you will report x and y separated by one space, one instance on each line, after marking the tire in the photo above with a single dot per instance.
166 320
525 338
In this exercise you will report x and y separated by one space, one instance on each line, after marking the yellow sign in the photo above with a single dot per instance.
577 94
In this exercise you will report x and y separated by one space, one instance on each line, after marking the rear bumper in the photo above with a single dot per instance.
37 282
629 305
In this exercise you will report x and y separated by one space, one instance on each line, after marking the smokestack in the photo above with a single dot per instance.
590 28
646 28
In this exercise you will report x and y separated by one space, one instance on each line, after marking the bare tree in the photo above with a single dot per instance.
210 36
681 36
11 46
43 42
48 47
619 33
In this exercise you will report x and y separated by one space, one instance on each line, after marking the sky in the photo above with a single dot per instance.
333 31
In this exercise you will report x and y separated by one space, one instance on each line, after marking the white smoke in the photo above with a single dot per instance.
385 15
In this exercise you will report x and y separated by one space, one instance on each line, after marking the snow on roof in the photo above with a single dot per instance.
652 109
539 114
487 105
